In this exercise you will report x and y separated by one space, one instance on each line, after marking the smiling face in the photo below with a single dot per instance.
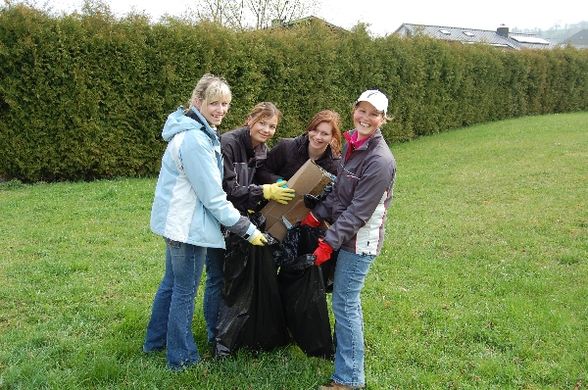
211 97
319 138
366 119
214 111
262 129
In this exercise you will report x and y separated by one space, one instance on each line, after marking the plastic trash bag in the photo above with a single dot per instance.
296 252
302 288
250 313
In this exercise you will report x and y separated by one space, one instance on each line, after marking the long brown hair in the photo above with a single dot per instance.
260 111
332 118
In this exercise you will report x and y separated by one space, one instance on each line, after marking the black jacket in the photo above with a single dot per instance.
288 156
240 164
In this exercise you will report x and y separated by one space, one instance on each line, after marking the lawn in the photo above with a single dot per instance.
482 282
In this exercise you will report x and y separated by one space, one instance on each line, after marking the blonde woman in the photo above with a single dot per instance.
188 210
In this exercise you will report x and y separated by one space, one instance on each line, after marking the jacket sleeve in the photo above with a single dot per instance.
369 190
198 160
239 188
276 159
322 211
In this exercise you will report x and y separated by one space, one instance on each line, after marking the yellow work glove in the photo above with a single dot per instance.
278 192
257 238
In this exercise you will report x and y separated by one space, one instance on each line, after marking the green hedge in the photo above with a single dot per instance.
84 96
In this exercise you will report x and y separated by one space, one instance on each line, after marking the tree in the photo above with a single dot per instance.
224 12
253 13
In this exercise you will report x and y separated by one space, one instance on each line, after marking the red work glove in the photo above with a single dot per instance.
322 253
310 220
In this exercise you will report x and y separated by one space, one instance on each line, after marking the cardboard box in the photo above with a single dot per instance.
309 179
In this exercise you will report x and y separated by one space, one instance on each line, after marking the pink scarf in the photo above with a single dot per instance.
353 143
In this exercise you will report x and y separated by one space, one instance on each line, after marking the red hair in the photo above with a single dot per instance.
332 118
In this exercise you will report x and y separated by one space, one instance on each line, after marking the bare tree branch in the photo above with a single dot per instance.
255 13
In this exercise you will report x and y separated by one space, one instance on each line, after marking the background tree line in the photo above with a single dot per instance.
558 33
84 96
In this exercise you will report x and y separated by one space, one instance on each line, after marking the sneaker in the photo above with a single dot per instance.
338 386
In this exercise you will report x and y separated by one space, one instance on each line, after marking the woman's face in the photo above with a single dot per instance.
320 137
214 111
366 119
262 130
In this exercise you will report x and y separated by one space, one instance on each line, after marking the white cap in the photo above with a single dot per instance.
375 98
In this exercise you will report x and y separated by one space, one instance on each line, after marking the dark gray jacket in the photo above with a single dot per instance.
241 161
357 206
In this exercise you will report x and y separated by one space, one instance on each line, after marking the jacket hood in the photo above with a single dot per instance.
178 122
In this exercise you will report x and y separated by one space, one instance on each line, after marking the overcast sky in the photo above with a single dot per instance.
385 16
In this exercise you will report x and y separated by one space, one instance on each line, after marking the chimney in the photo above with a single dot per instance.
502 31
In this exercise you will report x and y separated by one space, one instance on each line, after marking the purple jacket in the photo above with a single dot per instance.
357 206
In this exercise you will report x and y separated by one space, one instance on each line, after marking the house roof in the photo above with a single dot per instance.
500 37
307 20
579 39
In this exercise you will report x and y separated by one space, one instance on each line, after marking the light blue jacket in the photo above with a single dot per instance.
190 204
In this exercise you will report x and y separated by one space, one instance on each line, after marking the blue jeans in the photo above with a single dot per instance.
350 274
170 325
213 289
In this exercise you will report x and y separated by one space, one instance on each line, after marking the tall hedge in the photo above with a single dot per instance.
84 96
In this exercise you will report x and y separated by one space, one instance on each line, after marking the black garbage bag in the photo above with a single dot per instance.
302 289
302 240
250 313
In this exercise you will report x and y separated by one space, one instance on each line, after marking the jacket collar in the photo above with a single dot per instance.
193 113
353 144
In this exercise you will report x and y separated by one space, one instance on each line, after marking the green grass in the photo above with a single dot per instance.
482 283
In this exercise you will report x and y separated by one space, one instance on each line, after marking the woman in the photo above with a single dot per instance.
356 209
320 142
244 150
188 210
